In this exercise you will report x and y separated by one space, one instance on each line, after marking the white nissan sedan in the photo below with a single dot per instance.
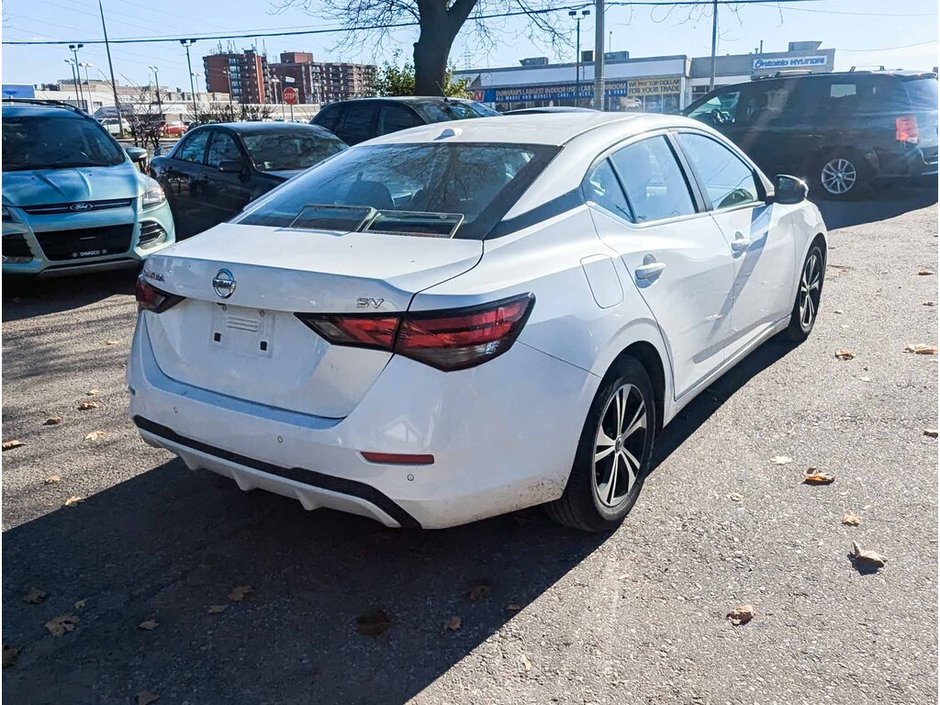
455 321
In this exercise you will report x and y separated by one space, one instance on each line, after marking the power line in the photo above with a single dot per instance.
250 34
905 46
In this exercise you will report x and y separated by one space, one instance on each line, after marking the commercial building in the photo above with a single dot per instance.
245 75
660 84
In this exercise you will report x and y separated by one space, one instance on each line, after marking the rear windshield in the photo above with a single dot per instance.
468 185
277 151
441 111
43 142
922 92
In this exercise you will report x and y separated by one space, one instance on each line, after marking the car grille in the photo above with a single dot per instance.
15 246
151 233
87 242
80 207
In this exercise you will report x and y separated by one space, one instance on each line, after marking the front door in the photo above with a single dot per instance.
226 193
677 257
180 181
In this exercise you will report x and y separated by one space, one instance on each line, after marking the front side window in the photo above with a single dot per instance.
193 148
603 188
469 185
43 142
720 109
726 179
653 180
289 151
223 149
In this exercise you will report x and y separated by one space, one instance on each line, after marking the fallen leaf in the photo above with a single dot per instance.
217 609
112 342
844 354
815 477
92 392
781 459
526 664
929 303
479 590
34 596
513 607
453 624
10 655
740 615
62 624
921 349
735 497
866 560
145 697
72 501
80 604
10 445
839 311
149 625
851 519
924 272
96 436
930 432
52 480
52 421
374 622
238 593
87 405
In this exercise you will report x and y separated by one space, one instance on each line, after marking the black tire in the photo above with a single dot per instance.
801 324
856 175
581 506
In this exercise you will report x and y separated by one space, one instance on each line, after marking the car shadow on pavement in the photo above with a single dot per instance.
170 543
25 298
887 200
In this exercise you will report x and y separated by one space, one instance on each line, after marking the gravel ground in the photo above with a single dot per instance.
635 617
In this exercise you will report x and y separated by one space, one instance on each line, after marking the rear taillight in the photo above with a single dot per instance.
150 298
905 129
448 340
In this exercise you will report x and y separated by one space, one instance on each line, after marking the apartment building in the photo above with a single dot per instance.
245 75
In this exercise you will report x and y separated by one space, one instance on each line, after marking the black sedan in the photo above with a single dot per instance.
214 171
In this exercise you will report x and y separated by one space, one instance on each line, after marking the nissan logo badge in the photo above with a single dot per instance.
224 283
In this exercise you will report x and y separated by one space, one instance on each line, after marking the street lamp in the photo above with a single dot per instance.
74 79
192 86
577 61
78 74
87 66
276 82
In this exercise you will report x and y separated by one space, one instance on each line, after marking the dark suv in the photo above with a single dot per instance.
355 121
839 131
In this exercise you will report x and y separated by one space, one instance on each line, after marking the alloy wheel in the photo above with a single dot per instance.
619 445
838 176
809 290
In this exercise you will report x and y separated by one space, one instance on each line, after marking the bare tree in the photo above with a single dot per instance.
439 22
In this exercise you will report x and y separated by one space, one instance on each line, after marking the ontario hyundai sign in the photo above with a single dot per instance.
790 62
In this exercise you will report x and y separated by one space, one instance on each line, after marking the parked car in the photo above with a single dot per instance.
216 170
840 131
73 199
173 128
113 126
549 109
437 327
355 121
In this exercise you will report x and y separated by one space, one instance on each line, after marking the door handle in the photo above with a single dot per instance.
650 270
740 243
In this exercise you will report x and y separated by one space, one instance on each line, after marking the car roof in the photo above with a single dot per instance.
413 99
784 76
253 128
542 128
22 109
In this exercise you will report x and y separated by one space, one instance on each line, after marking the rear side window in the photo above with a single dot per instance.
922 92
327 118
393 118
193 148
653 180
726 179
357 123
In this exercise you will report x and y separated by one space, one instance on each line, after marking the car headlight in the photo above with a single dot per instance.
8 216
153 196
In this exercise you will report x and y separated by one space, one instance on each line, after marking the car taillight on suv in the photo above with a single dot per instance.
448 340
905 129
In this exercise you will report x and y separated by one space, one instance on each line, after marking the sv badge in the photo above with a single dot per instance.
368 303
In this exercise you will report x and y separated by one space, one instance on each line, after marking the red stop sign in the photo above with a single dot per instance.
290 96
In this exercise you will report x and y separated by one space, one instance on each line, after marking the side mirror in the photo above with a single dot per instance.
231 166
789 190
137 154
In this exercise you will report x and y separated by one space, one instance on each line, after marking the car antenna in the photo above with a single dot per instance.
443 93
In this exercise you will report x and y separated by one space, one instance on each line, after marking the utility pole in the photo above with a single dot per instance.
107 46
192 86
711 80
598 54
577 62
78 74
74 80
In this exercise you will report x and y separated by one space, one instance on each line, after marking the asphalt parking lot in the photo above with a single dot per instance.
558 616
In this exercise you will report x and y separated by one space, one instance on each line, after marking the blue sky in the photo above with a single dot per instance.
863 32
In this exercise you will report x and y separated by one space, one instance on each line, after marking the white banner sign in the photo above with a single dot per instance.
790 62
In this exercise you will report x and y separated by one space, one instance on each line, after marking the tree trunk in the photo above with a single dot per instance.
431 52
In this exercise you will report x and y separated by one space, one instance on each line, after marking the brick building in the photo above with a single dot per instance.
246 74
298 70
341 81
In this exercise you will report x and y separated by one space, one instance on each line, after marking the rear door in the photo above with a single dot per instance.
677 256
179 179
760 245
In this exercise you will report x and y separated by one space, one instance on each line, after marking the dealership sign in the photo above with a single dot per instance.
790 62
618 89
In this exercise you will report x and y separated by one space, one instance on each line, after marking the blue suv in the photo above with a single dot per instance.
73 199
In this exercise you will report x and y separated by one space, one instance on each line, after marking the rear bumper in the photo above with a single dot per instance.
912 162
503 436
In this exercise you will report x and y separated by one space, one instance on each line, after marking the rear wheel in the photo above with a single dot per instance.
808 295
613 454
842 174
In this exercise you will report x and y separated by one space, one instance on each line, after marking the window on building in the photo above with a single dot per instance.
654 182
